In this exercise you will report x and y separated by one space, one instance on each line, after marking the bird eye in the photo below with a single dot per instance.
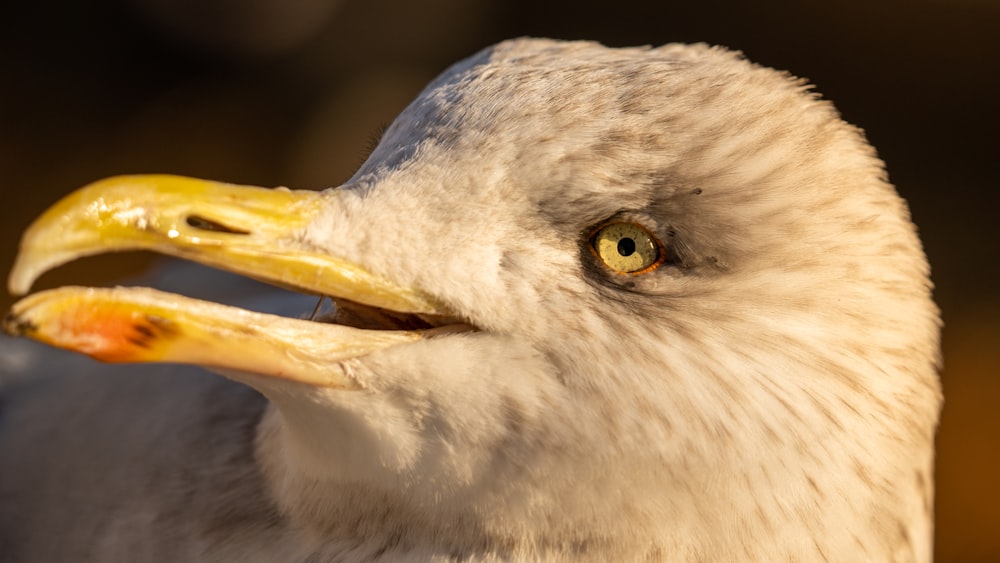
627 248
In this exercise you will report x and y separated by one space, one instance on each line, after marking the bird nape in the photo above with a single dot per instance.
592 304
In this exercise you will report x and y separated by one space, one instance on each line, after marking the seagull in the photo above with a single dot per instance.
591 304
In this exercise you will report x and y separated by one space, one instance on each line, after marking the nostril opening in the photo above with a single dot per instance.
204 224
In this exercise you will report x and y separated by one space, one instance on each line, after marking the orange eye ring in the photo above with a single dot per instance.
627 248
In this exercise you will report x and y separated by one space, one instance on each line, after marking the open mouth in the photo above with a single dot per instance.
358 315
256 232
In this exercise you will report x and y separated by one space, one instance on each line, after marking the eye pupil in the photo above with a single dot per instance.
626 246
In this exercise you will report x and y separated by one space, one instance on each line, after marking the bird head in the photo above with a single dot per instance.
656 302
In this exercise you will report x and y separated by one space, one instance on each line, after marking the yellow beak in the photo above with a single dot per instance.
253 231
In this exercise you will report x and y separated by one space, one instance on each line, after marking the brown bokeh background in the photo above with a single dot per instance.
290 92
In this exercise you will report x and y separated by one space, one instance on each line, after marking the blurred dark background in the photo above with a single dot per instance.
290 92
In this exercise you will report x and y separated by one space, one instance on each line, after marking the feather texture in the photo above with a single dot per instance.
769 393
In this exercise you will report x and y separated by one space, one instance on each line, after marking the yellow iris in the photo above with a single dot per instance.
627 248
